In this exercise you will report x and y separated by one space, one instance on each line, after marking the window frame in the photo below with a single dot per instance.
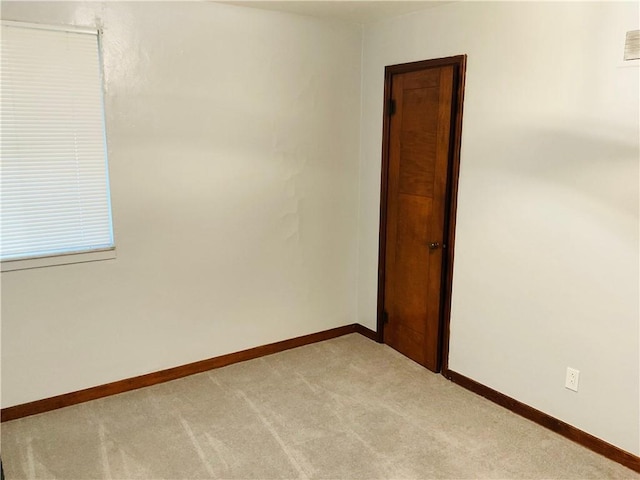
89 255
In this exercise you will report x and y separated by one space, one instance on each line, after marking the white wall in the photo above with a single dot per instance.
547 253
233 148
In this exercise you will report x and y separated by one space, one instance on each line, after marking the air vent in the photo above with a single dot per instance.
632 45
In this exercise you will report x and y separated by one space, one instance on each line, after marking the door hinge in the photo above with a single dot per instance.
392 106
385 317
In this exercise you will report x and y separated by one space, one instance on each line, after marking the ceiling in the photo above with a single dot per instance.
361 11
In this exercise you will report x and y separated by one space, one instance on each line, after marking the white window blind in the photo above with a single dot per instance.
54 184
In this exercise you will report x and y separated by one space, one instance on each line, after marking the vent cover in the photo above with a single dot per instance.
632 45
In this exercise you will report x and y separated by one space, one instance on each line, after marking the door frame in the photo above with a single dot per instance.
459 63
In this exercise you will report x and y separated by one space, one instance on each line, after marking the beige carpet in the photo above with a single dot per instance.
347 408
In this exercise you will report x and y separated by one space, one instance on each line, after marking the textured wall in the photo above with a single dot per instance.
233 149
546 264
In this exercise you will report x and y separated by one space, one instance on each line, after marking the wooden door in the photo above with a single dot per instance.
419 150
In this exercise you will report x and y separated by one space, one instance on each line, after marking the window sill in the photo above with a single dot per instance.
83 257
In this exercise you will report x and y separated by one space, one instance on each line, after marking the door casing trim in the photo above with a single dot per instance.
459 63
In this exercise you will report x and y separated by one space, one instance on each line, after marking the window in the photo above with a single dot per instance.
54 182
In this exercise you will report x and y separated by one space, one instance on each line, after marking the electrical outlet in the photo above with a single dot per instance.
573 376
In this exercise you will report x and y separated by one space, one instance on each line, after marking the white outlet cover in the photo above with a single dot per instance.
572 380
